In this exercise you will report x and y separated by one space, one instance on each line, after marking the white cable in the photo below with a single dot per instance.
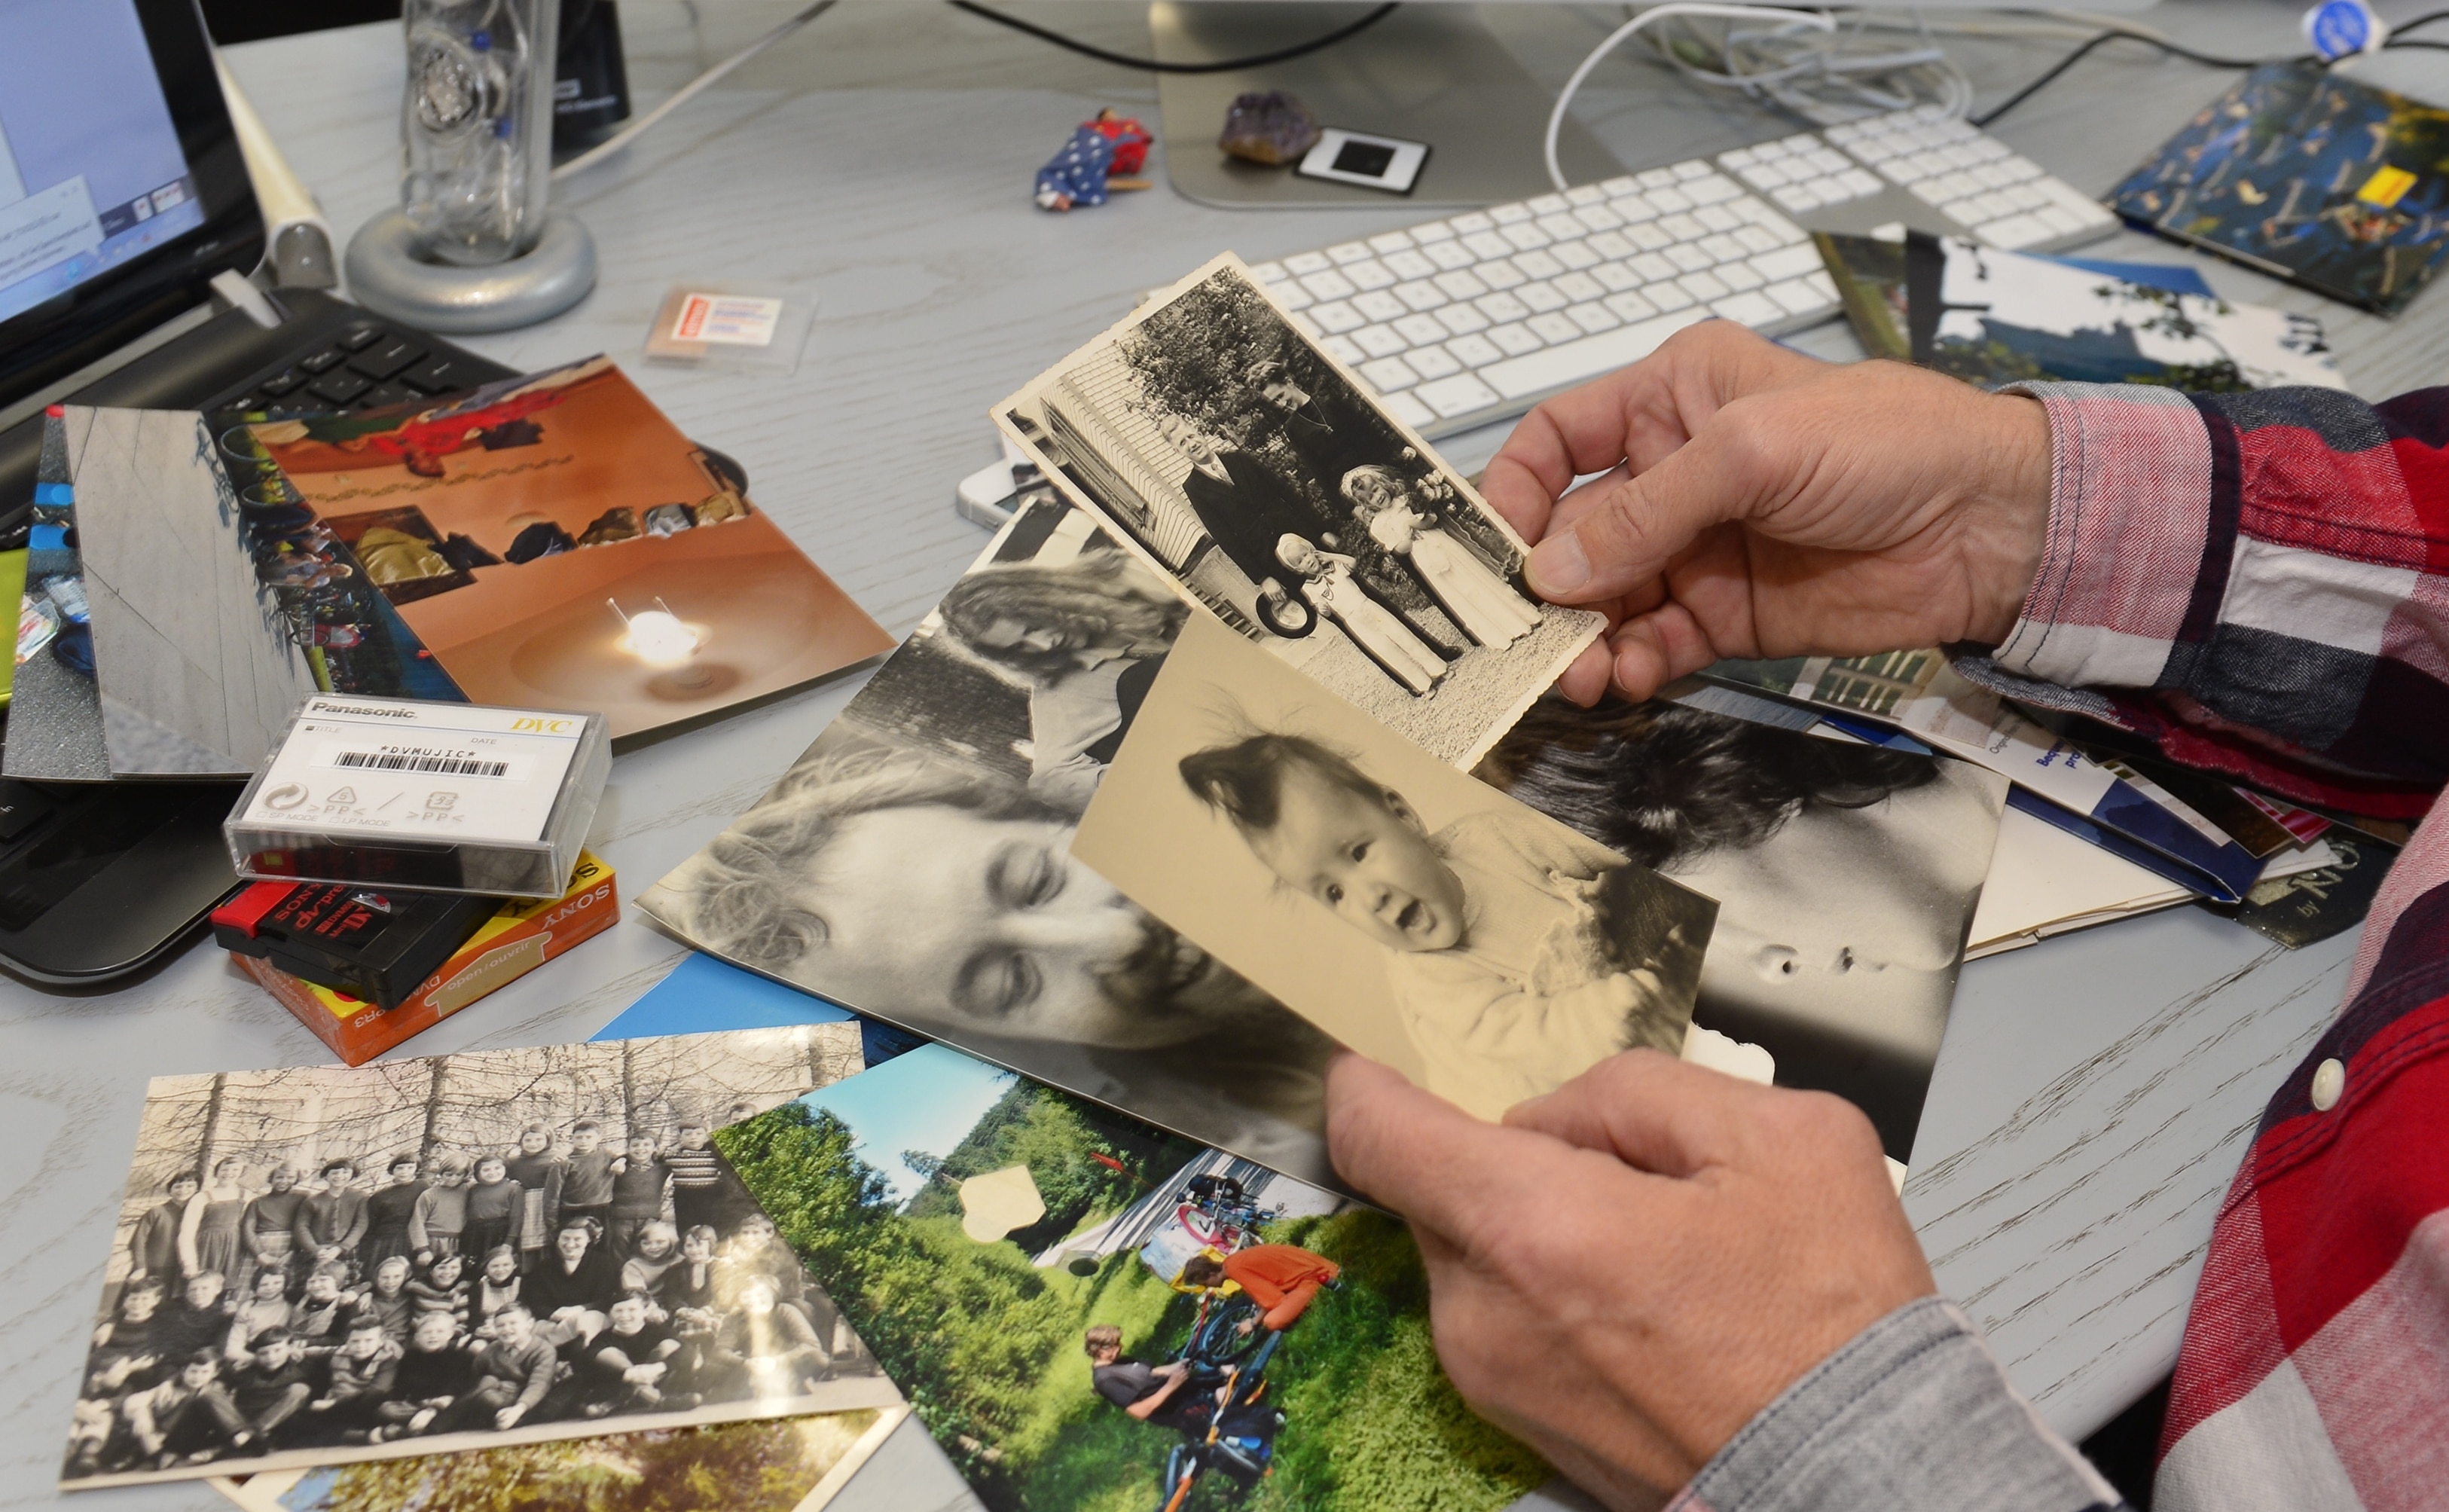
629 133
1556 117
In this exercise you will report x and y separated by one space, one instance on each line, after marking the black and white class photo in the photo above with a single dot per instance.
915 863
1232 454
321 1265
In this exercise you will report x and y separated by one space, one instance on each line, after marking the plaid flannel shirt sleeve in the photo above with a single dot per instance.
2260 583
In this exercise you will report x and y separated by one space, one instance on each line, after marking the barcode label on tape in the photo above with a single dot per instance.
419 762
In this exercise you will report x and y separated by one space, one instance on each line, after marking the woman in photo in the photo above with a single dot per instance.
1087 637
1489 610
1846 875
208 1237
1327 582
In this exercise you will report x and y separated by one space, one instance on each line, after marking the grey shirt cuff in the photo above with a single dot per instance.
1914 1415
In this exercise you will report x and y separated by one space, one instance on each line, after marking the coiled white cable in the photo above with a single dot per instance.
1564 99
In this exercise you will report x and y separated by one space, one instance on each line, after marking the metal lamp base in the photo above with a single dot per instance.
387 277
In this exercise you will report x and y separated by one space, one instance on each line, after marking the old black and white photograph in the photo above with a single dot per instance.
1847 875
1415 913
1266 484
915 863
322 1265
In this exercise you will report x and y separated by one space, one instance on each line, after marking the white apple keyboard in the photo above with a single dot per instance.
1479 317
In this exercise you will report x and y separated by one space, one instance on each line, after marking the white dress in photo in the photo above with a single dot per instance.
1487 608
1371 627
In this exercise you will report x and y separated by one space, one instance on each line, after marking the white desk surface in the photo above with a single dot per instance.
2095 1092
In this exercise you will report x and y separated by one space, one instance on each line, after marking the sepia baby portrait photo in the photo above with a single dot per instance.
1409 910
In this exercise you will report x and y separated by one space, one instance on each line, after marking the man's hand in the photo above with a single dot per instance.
1757 502
1627 1270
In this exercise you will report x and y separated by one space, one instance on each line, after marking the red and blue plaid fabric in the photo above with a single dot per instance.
2260 582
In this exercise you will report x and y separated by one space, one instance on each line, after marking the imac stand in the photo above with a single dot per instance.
1430 73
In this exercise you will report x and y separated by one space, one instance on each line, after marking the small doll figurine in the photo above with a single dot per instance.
1104 154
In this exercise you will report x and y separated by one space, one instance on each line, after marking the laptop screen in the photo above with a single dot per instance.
91 172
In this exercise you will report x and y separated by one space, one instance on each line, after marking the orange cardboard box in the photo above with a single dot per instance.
523 936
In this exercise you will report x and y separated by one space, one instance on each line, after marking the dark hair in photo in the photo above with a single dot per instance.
1202 1271
1102 1336
1093 600
1660 782
1245 780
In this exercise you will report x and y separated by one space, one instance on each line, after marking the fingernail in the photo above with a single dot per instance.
1559 566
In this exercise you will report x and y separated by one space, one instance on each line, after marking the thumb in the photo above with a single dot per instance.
1631 528
1651 1111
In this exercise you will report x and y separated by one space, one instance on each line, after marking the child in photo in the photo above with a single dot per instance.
538 1173
268 1228
388 1211
434 1371
332 1222
321 1315
153 1250
1281 1280
640 1192
497 1285
267 1309
658 1249
492 1206
199 1320
699 1178
587 1176
262 1392
1486 608
209 1237
1519 954
386 1299
443 1287
1326 581
437 1222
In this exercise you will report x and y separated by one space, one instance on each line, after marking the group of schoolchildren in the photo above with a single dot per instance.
527 1286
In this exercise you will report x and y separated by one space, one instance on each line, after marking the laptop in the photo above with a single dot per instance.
123 193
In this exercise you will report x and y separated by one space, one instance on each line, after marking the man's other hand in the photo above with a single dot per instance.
1627 1270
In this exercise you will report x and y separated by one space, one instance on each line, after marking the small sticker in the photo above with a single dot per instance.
2386 186
727 320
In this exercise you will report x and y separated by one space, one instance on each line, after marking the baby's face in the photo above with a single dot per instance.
1366 858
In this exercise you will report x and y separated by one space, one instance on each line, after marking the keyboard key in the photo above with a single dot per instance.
1290 294
1460 284
1593 318
1667 297
1723 248
1541 296
387 360
1308 262
1617 188
1787 262
1389 242
275 387
2023 230
1682 227
1538 264
1408 264
1499 273
1305 325
1584 194
1459 395
1514 338
1527 236
1461 319
1477 220
1561 228
1430 361
1578 287
1737 276
1655 179
1348 252
325 360
1342 349
1796 198
1329 285
1388 375
1575 359
1381 307
1368 274
1616 277
1268 272
21 810
1488 245
1670 201
1452 254
1422 330
1556 326
1474 351
1717 218
1860 180
339 387
1334 317
1756 238
1703 287
1689 170
1796 296
1502 216
1632 209
1649 238
364 336
1630 306
1687 256
1597 217
1419 294
1379 341
385 395
1611 248
1428 235
1575 255
1549 205
1408 410
1501 306
1652 266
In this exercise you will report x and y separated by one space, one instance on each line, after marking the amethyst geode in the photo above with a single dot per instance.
1268 126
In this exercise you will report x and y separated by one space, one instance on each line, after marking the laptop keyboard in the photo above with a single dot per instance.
369 366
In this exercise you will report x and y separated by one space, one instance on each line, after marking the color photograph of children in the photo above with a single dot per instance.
1414 913
1153 1313
371 1312
1216 440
